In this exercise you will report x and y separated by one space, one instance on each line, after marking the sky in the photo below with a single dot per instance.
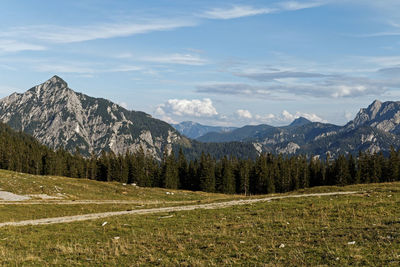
229 63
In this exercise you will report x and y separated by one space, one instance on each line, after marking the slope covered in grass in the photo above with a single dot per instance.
84 189
361 229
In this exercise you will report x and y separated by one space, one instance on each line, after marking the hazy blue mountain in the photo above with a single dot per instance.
242 134
299 122
374 129
194 130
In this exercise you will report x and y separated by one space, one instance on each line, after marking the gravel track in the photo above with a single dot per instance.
8 196
93 216
90 202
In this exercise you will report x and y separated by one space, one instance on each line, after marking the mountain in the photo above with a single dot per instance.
242 134
299 122
194 130
260 132
375 129
60 117
384 116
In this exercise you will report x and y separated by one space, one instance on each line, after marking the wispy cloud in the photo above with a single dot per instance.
392 71
235 89
62 34
383 61
269 76
126 68
179 59
17 46
334 87
236 12
295 5
63 68
378 34
239 11
83 68
7 67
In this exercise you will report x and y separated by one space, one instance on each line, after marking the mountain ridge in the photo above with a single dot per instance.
60 117
373 129
194 130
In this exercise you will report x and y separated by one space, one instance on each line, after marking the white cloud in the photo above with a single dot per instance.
265 118
286 116
244 114
63 68
17 46
7 67
325 86
184 107
126 68
239 11
283 118
235 12
295 5
82 68
383 61
59 34
124 105
179 59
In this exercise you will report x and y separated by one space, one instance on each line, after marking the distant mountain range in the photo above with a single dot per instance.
374 129
194 130
62 118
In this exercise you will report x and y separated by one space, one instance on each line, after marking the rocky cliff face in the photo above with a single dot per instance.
383 116
59 117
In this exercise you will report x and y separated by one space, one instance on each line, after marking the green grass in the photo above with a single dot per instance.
313 230
71 189
77 189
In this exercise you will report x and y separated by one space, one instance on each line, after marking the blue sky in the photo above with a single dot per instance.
214 62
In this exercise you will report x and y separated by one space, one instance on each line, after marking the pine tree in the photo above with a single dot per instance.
394 162
169 174
228 180
242 175
207 173
184 179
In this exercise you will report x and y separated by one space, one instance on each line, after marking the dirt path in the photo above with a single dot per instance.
93 216
8 196
95 202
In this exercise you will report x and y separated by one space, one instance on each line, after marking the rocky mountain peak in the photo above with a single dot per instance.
56 79
374 108
53 86
59 117
384 116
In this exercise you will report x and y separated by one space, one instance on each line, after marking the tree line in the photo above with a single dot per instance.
267 173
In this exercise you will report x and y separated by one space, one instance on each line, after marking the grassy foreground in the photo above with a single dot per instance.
362 229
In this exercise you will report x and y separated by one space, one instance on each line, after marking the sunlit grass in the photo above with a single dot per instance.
361 229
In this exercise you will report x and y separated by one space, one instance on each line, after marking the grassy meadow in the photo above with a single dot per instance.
360 229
